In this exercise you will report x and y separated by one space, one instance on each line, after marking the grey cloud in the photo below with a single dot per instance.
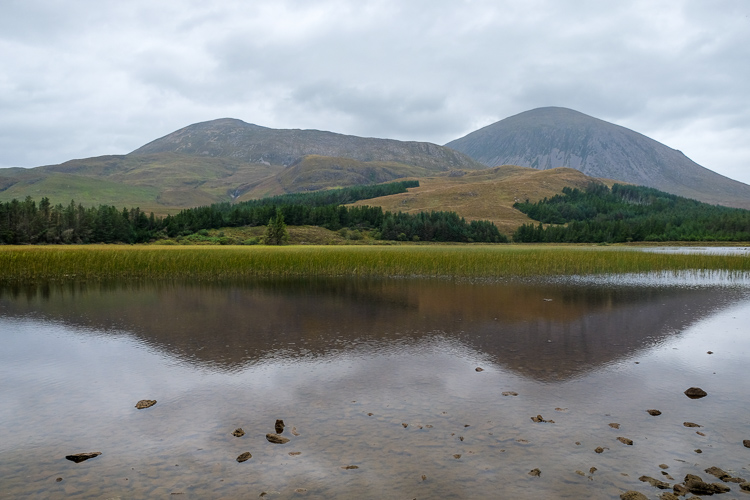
82 77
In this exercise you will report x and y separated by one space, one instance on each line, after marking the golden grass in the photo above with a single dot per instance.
485 194
31 264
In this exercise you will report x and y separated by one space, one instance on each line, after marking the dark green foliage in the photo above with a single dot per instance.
25 222
276 233
629 213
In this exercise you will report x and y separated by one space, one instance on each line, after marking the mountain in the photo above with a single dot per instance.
231 138
552 137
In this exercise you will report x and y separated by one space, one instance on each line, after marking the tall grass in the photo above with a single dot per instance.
30 264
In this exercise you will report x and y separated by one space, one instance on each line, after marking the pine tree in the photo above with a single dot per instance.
276 233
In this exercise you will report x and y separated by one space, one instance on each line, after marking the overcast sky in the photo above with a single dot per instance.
88 78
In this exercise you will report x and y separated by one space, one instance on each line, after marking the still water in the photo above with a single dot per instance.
377 374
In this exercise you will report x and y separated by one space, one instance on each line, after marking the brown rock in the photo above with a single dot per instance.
745 486
276 439
626 441
82 457
295 453
655 482
479 369
294 431
719 473
457 456
695 393
535 472
350 467
697 486
663 466
633 495
279 426
680 490
145 403
593 469
691 424
614 425
58 479
746 443
510 393
654 413
698 450
238 432
424 478
599 449
668 496
539 418
244 457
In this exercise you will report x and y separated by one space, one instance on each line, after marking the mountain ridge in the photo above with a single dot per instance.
552 137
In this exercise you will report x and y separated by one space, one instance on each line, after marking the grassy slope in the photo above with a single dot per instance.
162 183
485 194
322 172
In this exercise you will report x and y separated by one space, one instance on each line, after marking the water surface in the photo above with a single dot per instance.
377 374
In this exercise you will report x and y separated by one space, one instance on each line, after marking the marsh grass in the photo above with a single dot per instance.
34 263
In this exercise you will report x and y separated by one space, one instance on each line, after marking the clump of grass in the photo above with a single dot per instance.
31 264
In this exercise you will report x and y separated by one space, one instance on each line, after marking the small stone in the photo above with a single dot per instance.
718 473
238 432
535 473
680 490
668 496
424 478
746 443
599 449
294 431
633 495
82 457
279 426
654 413
614 425
370 414
663 466
698 450
145 403
691 424
461 438
244 457
695 393
626 441
295 453
276 439
655 482
561 409
58 479
539 418
710 352
700 433
405 425
350 467
592 470
580 473
479 369
457 456
745 486
510 393
300 490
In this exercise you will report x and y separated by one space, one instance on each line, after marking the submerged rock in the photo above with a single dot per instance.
745 486
535 472
539 418
655 482
654 413
479 369
625 440
697 486
82 457
279 426
691 424
238 432
350 467
276 439
145 403
633 495
244 457
599 449
614 425
695 393
510 393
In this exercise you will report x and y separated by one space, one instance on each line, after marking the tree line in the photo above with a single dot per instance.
26 222
624 213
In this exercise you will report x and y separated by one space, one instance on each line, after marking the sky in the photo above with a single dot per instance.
89 78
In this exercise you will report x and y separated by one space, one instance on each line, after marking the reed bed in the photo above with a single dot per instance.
96 262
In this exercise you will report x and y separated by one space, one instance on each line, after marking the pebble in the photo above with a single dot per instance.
276 439
535 472
82 457
145 403
279 426
695 393
614 425
479 369
626 441
238 432
244 457
654 413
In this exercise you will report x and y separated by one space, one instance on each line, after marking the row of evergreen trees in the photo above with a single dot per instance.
23 222
629 213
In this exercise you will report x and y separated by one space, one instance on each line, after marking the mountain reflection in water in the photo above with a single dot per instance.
540 330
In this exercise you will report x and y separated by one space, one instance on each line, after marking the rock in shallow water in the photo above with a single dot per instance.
81 457
244 457
535 472
276 439
654 413
633 495
695 393
238 432
145 403
279 426
625 440
655 482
